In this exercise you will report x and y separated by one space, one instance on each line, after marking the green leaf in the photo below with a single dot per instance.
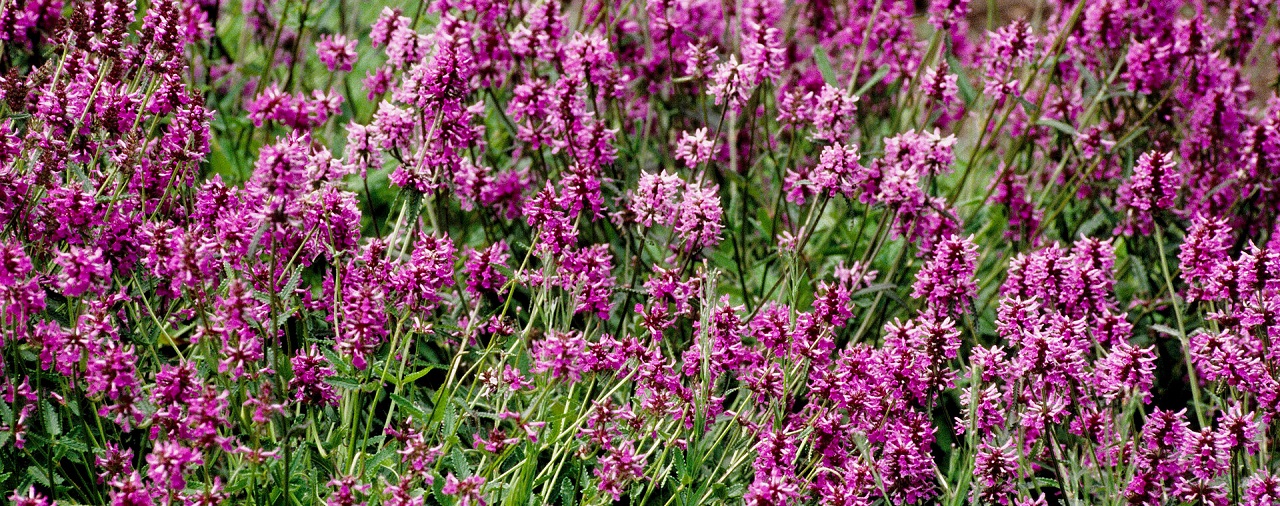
37 473
1027 105
878 287
1058 125
1094 222
567 491
450 418
1167 330
418 375
681 465
1128 138
460 464
824 66
343 382
875 78
408 407
291 285
967 92
51 421
74 445
1047 483
375 462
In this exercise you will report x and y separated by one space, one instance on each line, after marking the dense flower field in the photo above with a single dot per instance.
665 252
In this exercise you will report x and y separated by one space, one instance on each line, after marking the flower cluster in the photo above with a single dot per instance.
664 252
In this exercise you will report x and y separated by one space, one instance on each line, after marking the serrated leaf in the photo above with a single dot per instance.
681 465
1047 483
1128 138
450 418
73 444
408 407
374 462
1027 105
504 270
878 287
567 491
37 473
51 422
1092 224
460 464
343 382
291 285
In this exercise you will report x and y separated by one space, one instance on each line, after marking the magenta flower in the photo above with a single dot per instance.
467 490
337 52
996 472
168 463
617 467
310 368
832 114
83 270
946 282
695 149
483 274
1126 370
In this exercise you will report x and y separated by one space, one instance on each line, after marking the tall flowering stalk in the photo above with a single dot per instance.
662 252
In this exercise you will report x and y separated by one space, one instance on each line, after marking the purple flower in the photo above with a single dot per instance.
112 372
587 274
345 489
310 368
697 220
939 85
168 462
762 50
21 296
1153 186
946 281
618 467
775 480
416 451
656 198
1262 489
467 490
337 52
695 149
483 274
561 353
429 271
945 15
1204 256
839 171
732 83
31 498
995 469
1127 369
1206 452
83 270
833 114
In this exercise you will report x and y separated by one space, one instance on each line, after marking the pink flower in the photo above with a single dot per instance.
694 149
946 281
310 368
83 269
337 52
732 83
467 490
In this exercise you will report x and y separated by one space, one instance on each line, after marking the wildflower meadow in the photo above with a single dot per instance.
639 252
